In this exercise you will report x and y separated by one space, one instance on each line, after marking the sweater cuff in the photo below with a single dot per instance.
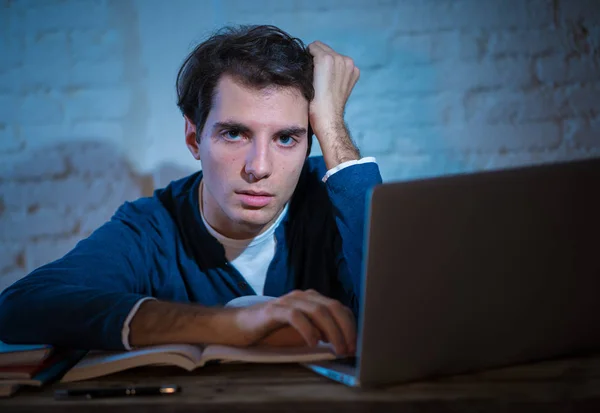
132 312
347 164
354 182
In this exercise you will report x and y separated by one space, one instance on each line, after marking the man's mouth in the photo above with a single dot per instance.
255 199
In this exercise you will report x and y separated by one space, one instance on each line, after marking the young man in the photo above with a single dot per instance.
260 218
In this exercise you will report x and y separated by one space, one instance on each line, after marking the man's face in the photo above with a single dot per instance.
252 147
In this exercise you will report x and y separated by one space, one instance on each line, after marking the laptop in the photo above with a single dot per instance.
476 271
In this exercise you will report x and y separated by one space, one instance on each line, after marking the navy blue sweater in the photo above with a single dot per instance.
159 247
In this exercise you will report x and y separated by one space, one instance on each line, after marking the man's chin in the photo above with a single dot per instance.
257 217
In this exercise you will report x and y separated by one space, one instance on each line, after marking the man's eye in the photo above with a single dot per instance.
232 135
286 140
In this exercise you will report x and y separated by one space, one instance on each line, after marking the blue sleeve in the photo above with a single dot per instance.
81 300
348 190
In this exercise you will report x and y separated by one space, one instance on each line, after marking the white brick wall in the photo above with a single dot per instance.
88 118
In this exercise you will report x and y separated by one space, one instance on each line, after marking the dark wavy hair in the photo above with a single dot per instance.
257 56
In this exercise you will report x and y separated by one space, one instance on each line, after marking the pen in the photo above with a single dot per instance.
94 393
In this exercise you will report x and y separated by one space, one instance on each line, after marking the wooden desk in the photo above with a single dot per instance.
552 386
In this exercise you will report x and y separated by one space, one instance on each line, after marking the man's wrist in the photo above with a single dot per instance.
158 322
224 328
337 146
125 330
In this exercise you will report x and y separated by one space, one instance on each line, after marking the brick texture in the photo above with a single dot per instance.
88 120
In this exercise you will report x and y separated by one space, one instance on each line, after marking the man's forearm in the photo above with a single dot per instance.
159 322
337 147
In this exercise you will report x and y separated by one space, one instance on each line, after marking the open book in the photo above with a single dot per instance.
190 357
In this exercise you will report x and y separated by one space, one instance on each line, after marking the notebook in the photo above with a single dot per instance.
23 371
23 354
7 390
48 371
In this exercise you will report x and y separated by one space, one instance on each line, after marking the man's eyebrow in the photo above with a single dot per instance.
230 125
291 130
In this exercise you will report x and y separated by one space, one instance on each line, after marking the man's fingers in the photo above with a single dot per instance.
321 317
316 49
286 336
315 317
342 315
320 50
355 74
325 47
299 321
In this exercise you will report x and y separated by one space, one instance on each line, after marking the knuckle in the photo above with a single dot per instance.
327 59
335 306
320 311
294 293
295 316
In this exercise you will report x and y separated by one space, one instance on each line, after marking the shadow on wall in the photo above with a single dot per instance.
55 196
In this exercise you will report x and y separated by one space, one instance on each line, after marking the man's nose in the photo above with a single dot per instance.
258 161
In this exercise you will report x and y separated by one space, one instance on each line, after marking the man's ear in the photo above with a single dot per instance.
190 138
310 139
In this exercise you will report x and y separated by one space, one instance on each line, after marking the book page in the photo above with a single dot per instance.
101 363
265 354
